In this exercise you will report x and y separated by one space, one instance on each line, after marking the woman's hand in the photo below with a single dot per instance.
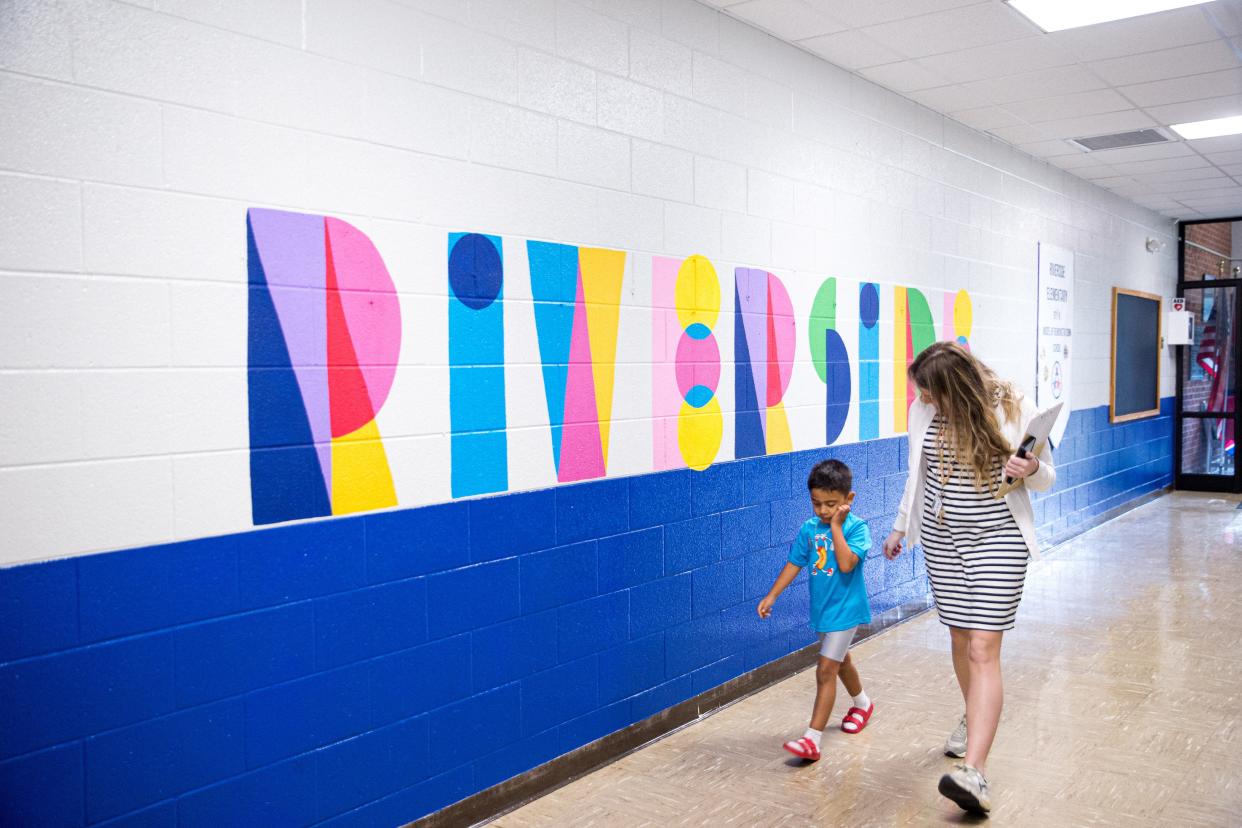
765 606
892 544
1020 467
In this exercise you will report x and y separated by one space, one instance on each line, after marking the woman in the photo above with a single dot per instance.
963 430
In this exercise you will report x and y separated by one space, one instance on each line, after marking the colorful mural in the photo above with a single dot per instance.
577 294
480 462
687 422
325 336
324 340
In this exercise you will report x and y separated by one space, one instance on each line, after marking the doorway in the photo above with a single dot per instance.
1207 416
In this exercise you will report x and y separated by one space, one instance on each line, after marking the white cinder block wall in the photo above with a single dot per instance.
135 135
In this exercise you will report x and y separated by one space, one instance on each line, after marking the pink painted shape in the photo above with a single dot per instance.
582 453
946 325
752 293
697 363
665 332
291 250
372 311
785 334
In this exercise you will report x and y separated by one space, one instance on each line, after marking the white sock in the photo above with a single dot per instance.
814 736
862 700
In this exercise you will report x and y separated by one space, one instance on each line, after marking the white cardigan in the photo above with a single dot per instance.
910 514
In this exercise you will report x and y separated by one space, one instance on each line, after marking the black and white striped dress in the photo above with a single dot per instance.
976 556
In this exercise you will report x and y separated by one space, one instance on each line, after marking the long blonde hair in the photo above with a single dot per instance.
967 394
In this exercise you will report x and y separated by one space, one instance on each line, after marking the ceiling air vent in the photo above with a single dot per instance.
1120 139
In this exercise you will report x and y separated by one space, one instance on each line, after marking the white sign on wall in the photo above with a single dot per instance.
1056 328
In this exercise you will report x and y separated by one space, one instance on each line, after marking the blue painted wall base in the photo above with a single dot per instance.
345 672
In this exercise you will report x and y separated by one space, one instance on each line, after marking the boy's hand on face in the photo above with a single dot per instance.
839 516
765 606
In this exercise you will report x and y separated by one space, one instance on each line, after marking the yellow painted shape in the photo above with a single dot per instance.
900 323
361 479
697 293
963 314
602 271
699 432
780 440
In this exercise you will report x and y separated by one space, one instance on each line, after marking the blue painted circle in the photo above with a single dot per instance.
699 396
475 272
869 304
961 340
698 331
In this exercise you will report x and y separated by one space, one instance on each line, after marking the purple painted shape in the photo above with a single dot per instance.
291 247
752 292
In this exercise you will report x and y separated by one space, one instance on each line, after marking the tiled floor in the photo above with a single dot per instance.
1123 707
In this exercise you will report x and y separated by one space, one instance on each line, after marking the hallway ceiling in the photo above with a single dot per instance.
985 65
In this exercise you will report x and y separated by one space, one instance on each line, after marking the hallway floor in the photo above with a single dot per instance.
1123 707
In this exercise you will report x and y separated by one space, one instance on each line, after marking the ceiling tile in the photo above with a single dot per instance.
953 30
1167 63
1222 158
1225 143
1050 149
1043 83
1069 106
1173 149
1096 172
1185 162
859 13
1026 134
1074 162
852 50
1203 110
1191 88
1029 54
788 19
949 98
986 118
1101 124
1137 35
906 76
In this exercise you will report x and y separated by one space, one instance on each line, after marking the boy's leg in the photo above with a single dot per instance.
850 678
825 692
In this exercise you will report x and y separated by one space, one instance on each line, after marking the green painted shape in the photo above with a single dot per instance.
823 318
922 326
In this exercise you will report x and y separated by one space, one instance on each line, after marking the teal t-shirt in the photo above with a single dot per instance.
838 599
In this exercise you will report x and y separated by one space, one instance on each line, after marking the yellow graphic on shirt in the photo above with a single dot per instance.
821 552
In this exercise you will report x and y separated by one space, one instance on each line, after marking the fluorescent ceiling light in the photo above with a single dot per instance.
1209 129
1055 15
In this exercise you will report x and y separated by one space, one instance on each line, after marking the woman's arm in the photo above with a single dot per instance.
1045 474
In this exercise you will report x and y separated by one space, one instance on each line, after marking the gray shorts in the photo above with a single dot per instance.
835 645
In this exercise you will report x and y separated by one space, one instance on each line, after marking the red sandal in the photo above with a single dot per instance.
803 748
857 717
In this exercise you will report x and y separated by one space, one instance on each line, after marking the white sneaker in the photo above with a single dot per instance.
956 744
967 787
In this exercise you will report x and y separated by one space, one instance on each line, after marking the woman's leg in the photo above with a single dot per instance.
985 694
960 640
825 692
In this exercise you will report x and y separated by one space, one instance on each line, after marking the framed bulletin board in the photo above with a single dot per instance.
1134 374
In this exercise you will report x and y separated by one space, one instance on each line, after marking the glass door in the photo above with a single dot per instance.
1207 390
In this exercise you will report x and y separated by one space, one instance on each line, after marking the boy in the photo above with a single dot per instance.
834 543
